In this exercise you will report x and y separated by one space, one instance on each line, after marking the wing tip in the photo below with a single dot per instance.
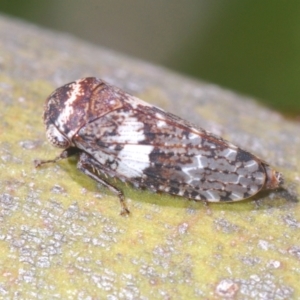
274 179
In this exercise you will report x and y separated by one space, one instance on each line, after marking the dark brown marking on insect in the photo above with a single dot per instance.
121 136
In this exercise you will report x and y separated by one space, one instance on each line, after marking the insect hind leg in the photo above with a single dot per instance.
86 164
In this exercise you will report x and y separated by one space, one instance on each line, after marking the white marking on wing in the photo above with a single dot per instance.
180 193
260 177
130 131
102 157
236 196
133 160
230 153
198 158
192 136
212 196
237 179
253 189
161 123
192 167
252 165
160 116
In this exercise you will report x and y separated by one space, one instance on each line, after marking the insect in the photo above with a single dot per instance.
117 135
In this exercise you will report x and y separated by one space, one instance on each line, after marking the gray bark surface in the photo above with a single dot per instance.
61 235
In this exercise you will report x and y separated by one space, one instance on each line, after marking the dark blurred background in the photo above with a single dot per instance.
250 46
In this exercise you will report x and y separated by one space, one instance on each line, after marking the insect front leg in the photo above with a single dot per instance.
89 167
65 154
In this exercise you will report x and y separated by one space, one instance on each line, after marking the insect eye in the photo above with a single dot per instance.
56 138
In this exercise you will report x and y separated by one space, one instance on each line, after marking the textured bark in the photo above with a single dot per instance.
61 234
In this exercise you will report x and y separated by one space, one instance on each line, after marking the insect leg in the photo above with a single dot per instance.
65 154
87 165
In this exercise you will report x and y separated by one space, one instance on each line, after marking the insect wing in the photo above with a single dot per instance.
159 151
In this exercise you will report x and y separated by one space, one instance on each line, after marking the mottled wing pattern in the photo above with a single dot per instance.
159 151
